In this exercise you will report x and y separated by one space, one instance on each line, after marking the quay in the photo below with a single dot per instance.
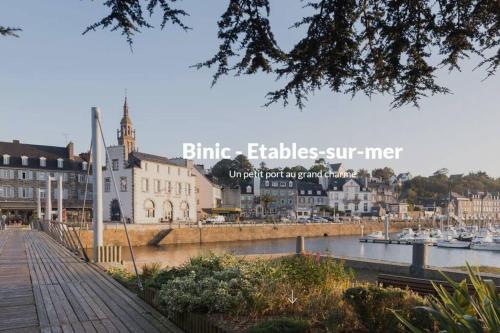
46 288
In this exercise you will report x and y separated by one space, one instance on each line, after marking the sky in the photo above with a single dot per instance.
51 76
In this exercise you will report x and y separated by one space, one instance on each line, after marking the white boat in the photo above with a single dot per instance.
452 243
485 245
423 237
406 234
374 235
485 241
436 234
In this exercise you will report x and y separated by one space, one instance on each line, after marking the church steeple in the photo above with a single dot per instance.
126 133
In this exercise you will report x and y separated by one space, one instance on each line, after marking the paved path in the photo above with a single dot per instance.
45 288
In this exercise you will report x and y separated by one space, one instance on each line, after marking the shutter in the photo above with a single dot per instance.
19 174
31 192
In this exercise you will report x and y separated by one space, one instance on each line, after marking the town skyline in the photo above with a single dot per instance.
54 87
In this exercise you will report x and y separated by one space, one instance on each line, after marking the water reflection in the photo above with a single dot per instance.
172 255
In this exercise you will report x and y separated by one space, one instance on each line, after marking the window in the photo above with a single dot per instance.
310 200
157 185
249 189
115 165
178 171
107 184
84 165
6 192
42 194
82 178
318 192
309 192
179 188
43 162
25 175
25 192
366 196
356 206
158 168
336 196
60 163
283 184
188 189
145 185
168 187
6 174
146 166
6 159
168 170
290 184
149 208
302 192
123 184
365 207
24 160
336 206
274 184
267 183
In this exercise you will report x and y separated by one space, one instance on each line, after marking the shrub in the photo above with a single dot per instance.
373 305
149 271
281 325
123 277
462 311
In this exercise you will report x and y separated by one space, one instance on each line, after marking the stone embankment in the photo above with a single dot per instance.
162 234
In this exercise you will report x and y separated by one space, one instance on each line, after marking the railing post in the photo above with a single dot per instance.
300 248
419 260
48 199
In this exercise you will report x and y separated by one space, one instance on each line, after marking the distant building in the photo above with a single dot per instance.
208 194
399 209
400 179
310 197
335 171
152 189
283 192
24 169
350 196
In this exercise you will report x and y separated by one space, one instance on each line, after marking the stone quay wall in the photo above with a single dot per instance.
141 235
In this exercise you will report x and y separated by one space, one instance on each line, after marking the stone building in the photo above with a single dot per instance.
283 193
350 196
24 169
310 197
151 188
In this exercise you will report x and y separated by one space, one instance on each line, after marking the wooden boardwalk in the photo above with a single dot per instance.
45 288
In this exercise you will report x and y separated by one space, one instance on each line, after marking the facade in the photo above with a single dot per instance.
479 205
310 196
208 194
399 209
350 196
283 194
24 169
248 198
383 194
151 188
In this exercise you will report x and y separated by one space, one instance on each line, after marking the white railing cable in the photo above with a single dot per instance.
139 283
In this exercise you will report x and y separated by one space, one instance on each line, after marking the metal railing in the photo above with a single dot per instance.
63 233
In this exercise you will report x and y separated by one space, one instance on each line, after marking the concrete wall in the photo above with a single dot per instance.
142 234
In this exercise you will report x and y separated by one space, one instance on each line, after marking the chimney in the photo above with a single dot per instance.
15 142
70 149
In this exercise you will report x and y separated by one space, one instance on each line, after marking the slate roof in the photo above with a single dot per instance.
340 182
16 149
314 187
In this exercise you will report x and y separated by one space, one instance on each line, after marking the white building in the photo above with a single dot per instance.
351 196
152 189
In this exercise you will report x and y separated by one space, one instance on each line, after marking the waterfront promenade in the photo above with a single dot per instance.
45 288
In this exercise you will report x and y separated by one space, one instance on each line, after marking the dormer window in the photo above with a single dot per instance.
60 163
24 160
6 159
84 165
249 189
43 162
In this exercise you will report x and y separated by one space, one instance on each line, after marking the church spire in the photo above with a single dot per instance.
126 133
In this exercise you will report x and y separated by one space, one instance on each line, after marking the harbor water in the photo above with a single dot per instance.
174 255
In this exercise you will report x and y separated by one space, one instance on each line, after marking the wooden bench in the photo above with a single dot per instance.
421 286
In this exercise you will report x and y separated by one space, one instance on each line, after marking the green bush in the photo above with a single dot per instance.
281 325
373 306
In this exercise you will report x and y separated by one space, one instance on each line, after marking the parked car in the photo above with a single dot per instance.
319 219
215 219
